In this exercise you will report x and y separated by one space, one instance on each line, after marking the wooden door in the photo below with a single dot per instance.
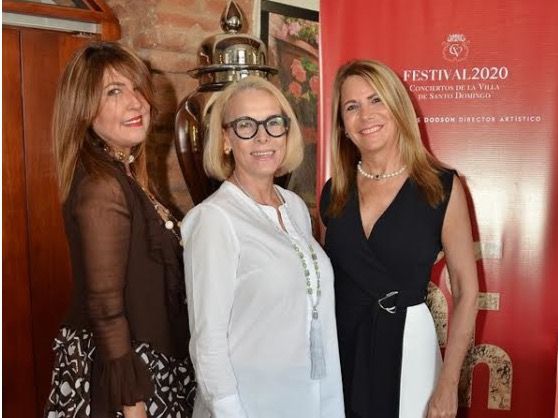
36 269
18 375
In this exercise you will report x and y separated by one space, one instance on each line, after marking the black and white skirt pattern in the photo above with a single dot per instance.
70 393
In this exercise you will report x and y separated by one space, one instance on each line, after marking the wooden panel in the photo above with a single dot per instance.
44 54
18 387
97 11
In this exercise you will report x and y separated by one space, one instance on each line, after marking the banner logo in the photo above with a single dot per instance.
456 48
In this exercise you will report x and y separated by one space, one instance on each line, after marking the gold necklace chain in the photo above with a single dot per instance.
169 221
119 155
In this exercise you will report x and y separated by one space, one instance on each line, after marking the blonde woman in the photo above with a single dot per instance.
260 288
122 348
390 208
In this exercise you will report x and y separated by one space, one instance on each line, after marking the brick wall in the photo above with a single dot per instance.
167 33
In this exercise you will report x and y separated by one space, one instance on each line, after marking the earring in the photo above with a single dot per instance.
227 150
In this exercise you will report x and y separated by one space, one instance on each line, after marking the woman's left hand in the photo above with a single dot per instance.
443 403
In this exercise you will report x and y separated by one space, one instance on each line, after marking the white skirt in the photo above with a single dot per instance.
421 362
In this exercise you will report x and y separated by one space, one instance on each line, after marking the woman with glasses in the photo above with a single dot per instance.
259 287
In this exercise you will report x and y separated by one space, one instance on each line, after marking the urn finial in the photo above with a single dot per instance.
231 19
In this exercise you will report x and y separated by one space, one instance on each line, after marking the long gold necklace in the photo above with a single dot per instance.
169 221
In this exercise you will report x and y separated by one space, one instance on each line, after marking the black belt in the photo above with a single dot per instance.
391 303
400 299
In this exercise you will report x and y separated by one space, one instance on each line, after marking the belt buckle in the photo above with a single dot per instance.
392 309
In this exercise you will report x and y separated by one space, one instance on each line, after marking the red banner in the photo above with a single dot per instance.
484 77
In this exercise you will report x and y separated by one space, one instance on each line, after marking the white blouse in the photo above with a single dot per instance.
250 312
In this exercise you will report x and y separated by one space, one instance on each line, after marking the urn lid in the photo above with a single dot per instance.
231 55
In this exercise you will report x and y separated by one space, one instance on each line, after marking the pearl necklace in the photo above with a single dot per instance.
379 177
316 350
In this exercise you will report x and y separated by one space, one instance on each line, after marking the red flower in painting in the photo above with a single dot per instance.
315 84
295 89
298 71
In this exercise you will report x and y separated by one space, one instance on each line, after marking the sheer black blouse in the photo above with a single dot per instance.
128 283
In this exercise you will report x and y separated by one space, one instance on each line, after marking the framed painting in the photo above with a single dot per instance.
291 35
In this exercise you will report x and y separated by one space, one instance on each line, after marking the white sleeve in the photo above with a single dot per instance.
210 262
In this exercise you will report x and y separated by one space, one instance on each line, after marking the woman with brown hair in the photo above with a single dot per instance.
390 208
122 348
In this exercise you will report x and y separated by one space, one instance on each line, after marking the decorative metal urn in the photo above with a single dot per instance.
223 58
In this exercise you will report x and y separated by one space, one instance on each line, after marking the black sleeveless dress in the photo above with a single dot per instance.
376 279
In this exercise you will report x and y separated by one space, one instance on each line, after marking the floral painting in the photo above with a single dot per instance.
294 49
292 37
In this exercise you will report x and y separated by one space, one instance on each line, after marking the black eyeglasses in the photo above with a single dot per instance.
247 127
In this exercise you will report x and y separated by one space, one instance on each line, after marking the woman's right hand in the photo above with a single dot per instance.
136 411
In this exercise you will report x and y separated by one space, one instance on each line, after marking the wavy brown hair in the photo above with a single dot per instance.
423 167
77 103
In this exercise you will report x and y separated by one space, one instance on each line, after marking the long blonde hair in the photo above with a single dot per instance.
77 103
423 167
219 165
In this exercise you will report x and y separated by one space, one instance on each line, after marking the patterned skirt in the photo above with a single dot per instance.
70 393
